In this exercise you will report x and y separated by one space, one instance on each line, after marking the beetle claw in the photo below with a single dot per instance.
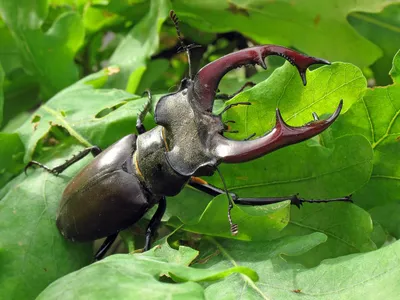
35 163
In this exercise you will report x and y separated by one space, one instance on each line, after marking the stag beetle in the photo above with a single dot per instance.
137 172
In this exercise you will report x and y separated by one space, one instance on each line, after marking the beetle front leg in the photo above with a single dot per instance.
151 229
155 222
226 97
59 169
203 186
142 114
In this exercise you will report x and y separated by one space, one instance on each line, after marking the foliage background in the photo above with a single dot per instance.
72 73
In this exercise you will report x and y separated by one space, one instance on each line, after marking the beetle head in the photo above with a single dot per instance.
193 135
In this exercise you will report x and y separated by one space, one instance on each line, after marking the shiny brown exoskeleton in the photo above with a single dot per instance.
124 181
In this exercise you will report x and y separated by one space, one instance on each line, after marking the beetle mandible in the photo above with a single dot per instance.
137 172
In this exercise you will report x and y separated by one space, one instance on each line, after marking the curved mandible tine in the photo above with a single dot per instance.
207 79
280 136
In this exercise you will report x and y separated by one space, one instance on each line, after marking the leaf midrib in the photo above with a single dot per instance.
296 179
246 280
66 125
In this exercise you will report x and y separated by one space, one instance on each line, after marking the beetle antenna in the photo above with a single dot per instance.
183 46
234 227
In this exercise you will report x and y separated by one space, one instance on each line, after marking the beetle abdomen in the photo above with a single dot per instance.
105 197
111 203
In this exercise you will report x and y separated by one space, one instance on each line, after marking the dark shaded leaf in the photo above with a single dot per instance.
315 28
383 29
140 43
376 116
47 56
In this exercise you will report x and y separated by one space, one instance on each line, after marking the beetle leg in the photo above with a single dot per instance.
250 137
59 169
202 185
232 105
294 200
228 97
231 131
155 222
142 114
105 246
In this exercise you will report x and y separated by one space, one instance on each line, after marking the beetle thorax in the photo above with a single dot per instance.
188 130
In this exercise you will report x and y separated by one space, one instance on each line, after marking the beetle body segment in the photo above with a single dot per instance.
105 197
155 171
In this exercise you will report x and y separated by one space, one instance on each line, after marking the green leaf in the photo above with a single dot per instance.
326 86
376 116
1 93
137 276
20 94
9 54
153 73
383 29
33 253
359 276
95 19
320 29
348 229
86 111
11 153
140 43
47 56
332 167
387 216
259 223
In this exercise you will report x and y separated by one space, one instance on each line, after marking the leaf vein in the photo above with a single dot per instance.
296 179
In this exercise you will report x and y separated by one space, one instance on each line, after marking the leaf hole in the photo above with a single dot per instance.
54 136
104 112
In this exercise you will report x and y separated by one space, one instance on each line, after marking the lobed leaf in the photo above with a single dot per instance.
33 252
140 43
11 153
78 109
320 168
383 29
46 55
1 93
356 276
376 116
138 275
311 26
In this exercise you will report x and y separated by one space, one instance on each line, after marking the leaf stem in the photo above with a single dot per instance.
246 279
